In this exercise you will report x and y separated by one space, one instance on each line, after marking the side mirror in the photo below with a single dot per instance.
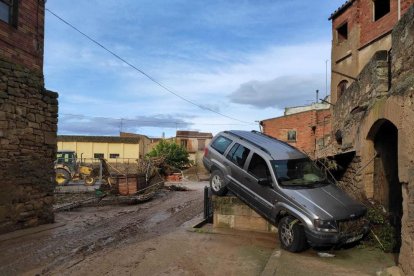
264 182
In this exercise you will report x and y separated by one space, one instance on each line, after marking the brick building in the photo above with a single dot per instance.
374 116
28 118
307 127
359 29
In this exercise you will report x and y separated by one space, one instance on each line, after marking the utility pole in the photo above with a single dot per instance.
317 95
326 78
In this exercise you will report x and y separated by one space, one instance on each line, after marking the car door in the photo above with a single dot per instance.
236 159
264 194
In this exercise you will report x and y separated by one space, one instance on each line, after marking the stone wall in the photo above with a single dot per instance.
231 212
28 125
383 93
348 111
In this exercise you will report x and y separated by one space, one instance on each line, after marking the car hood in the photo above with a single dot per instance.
328 202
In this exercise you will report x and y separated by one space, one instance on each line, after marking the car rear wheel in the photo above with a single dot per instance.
292 234
217 183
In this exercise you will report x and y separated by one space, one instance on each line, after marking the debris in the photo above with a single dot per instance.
177 188
326 255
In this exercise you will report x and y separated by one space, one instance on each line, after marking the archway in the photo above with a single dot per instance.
387 187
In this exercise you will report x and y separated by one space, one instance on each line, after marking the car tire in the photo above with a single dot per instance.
292 235
217 183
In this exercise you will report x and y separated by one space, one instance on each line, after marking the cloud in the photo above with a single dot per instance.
280 92
85 125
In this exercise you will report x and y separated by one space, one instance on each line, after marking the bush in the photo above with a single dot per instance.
173 154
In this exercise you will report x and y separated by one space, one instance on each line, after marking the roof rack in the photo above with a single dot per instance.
273 138
251 142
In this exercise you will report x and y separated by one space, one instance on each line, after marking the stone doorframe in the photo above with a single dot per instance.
392 109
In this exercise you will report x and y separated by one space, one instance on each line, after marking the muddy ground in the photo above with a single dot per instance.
157 238
146 239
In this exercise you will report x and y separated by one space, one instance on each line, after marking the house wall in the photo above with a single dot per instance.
28 123
366 37
24 45
367 103
308 139
88 149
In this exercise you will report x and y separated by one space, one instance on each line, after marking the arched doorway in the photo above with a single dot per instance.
387 187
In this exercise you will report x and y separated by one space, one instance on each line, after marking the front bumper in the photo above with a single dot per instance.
317 238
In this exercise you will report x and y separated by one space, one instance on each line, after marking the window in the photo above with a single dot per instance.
113 155
381 8
341 88
258 167
221 144
201 144
291 135
238 155
299 173
98 155
8 11
184 143
342 32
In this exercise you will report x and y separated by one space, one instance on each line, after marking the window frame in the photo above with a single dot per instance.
231 153
375 9
97 155
13 11
117 155
249 169
288 136
219 150
340 35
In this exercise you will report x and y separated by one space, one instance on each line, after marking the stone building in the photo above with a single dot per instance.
359 29
28 118
306 127
374 116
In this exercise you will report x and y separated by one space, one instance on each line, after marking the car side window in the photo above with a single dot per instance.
238 155
258 167
221 144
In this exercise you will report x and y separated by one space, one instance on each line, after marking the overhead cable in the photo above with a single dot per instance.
141 71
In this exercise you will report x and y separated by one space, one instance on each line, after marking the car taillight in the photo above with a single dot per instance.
205 151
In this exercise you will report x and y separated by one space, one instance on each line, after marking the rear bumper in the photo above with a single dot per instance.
207 164
317 238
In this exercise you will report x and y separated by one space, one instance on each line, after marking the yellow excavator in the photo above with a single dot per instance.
67 168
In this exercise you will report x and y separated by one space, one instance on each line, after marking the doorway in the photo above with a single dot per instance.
387 187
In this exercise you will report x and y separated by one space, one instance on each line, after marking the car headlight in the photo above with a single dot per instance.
325 225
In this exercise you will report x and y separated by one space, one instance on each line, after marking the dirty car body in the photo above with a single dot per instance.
283 185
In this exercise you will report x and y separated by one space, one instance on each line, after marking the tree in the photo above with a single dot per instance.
175 155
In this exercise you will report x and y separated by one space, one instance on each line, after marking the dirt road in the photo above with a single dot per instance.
145 239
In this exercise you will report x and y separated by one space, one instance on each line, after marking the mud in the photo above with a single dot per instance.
89 230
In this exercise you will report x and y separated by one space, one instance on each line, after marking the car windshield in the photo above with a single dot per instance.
298 172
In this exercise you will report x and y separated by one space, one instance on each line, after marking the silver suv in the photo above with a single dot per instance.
284 186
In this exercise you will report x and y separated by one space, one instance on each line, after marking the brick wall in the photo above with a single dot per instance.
24 44
312 128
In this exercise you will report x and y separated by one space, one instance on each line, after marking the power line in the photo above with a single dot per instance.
141 71
145 121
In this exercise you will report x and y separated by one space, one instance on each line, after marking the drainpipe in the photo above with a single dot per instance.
399 10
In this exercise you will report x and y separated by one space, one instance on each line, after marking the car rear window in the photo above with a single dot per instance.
221 144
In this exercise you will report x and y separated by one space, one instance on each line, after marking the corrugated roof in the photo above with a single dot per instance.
98 139
341 9
193 134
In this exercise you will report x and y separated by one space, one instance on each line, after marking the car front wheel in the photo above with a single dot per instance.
292 234
217 183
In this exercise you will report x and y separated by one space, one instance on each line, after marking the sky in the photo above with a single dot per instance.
231 63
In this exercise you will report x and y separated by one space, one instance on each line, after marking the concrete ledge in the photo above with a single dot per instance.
231 212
